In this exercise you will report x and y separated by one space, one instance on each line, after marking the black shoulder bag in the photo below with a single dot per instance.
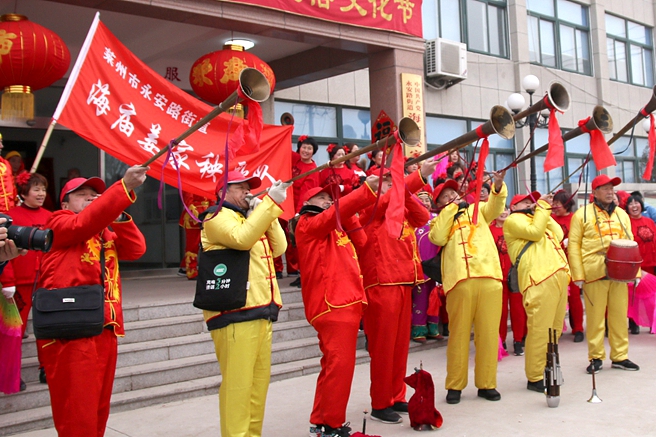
433 267
70 313
222 281
513 279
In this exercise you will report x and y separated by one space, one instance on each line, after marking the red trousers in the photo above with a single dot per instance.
517 315
338 335
575 308
387 323
80 378
291 255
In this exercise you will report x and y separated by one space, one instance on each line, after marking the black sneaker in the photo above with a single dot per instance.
445 330
491 394
342 431
400 407
22 386
278 275
296 282
386 415
453 396
578 337
595 366
633 327
625 365
182 272
518 349
42 375
537 386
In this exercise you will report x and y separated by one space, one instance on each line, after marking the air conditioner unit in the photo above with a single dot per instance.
446 60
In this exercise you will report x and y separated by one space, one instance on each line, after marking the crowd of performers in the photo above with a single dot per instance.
353 275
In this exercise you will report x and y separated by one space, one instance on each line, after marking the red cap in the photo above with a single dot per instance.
309 194
603 179
450 183
533 197
74 184
236 177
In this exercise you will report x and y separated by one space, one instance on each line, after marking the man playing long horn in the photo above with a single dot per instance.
390 268
472 284
543 275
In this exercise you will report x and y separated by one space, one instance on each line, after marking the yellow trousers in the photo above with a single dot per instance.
474 302
244 354
599 296
545 306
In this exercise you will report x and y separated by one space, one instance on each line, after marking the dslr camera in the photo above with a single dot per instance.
27 237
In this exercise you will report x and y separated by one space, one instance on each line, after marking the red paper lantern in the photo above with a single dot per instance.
215 76
31 57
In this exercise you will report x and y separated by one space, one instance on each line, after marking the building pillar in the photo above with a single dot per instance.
385 88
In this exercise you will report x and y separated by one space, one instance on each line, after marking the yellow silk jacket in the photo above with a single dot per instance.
545 256
469 251
590 234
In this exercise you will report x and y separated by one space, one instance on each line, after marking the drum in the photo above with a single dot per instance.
623 260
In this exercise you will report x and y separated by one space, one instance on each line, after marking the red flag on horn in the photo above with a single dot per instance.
601 154
556 151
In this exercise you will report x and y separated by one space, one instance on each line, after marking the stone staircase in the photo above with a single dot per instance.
167 355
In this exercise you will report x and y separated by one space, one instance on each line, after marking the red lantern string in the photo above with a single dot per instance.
601 154
556 151
652 148
482 156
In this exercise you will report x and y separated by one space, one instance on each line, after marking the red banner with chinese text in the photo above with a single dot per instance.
402 16
126 109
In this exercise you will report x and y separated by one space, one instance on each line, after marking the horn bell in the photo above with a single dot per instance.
602 119
502 123
558 96
254 84
409 131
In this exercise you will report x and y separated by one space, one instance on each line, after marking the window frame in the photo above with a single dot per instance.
464 34
649 82
557 22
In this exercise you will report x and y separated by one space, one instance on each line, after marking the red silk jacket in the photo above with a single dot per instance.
328 257
390 261
75 255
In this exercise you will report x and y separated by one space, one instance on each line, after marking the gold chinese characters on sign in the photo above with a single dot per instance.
412 98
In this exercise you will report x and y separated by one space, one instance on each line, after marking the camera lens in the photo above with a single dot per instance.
30 238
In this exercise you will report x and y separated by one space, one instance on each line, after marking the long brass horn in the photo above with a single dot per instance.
646 110
409 133
556 96
253 84
600 120
501 122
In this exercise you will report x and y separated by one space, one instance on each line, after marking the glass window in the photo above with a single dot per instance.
312 120
481 24
442 130
558 32
356 124
636 67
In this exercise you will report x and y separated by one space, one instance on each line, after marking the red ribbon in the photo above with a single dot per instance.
248 132
396 210
482 156
556 150
652 147
601 154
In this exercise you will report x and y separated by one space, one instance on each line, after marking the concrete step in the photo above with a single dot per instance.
185 378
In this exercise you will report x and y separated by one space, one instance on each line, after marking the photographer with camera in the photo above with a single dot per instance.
85 251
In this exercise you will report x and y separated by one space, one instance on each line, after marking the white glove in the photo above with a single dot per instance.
252 203
636 282
341 188
278 191
565 242
579 283
8 292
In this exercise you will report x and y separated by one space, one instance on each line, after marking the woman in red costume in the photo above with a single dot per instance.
376 162
561 211
339 174
32 189
302 162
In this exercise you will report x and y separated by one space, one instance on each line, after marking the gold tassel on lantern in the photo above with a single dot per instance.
17 103
237 109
